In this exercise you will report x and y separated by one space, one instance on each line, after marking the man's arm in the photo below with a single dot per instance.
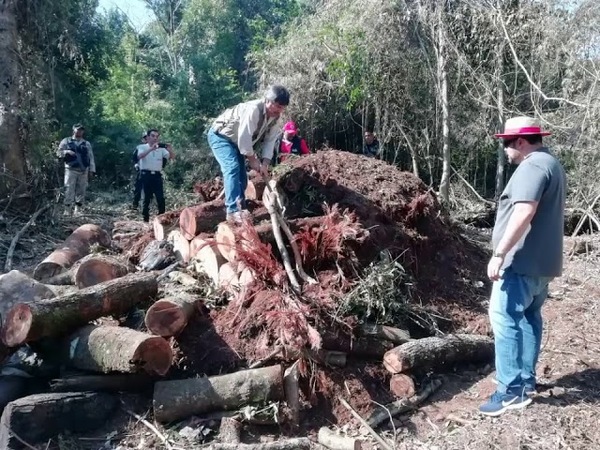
268 147
170 153
63 148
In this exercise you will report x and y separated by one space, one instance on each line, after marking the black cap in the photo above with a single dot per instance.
78 126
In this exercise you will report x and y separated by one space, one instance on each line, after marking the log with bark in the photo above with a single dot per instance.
129 227
439 353
396 335
39 417
206 257
230 430
202 218
136 382
59 316
169 316
91 270
287 444
157 255
181 246
255 189
75 247
178 399
163 224
108 349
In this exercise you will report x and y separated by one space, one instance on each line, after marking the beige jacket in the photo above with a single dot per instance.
246 124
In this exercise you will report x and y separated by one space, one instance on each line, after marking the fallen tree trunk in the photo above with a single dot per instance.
103 383
169 316
206 258
178 399
117 349
61 315
129 227
181 246
98 269
202 218
75 247
163 224
439 353
39 417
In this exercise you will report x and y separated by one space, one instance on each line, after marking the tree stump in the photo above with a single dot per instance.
39 417
169 316
177 399
202 218
61 315
439 353
75 247
118 349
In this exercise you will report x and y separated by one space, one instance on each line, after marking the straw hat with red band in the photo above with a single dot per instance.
521 126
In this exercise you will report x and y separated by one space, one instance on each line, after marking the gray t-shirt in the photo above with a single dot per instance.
540 177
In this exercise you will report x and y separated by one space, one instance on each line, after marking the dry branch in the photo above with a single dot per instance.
334 441
15 239
288 444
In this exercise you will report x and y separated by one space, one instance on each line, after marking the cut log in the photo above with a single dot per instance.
402 386
287 444
202 218
228 278
227 241
75 247
255 189
137 382
16 287
207 258
169 316
246 277
36 418
362 348
163 224
439 353
230 431
181 246
396 335
291 385
334 441
117 349
61 315
178 399
98 269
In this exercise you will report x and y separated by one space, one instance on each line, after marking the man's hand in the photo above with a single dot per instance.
494 267
254 163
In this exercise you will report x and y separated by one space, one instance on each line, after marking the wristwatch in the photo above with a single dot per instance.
498 254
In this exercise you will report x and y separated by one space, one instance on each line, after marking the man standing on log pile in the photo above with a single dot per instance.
232 137
527 255
78 157
150 158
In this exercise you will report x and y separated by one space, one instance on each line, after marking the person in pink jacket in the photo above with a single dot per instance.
291 143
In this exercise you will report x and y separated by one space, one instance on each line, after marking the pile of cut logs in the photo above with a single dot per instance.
73 290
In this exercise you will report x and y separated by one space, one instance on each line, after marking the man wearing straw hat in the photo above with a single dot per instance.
527 255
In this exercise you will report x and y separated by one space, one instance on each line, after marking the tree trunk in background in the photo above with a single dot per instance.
501 156
443 98
12 159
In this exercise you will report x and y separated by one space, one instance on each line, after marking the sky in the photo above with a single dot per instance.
136 10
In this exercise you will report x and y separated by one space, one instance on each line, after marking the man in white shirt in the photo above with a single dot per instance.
150 159
232 138
79 161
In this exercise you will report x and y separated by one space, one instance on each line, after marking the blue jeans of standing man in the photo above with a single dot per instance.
233 167
516 317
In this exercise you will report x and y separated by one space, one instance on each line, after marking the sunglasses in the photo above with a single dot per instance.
508 142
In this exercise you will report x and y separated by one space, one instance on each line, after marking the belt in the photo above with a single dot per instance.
151 172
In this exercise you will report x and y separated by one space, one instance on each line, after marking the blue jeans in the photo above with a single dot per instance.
516 318
233 167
